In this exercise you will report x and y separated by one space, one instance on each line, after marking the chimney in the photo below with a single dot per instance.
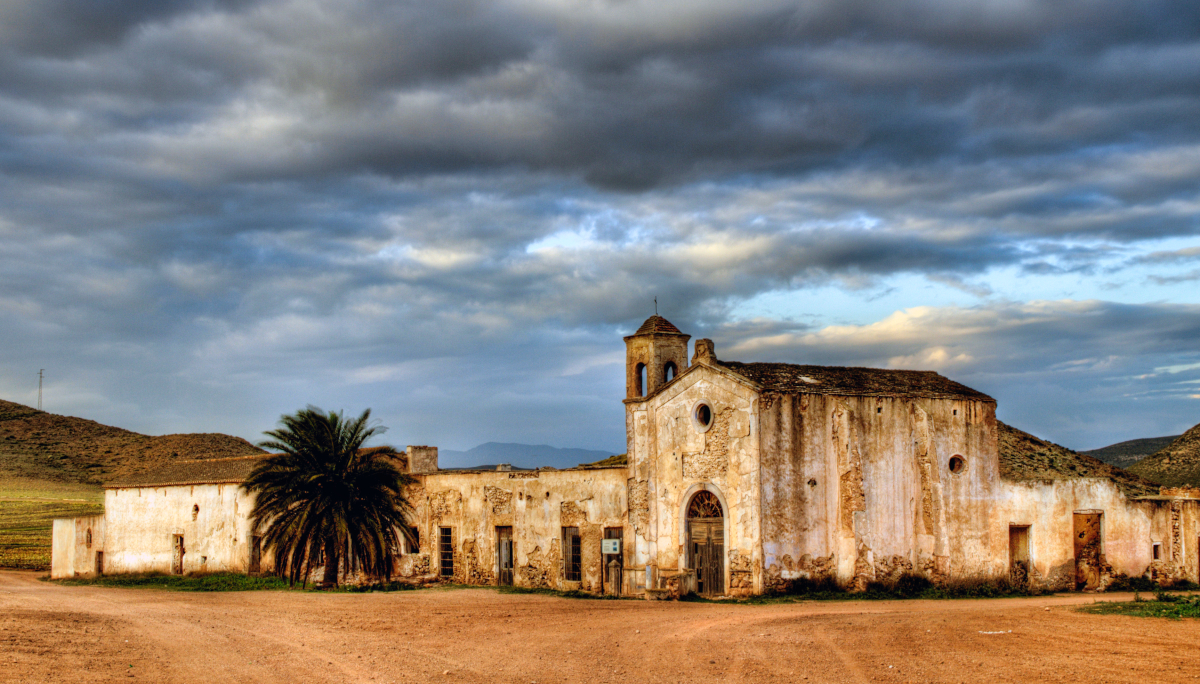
704 352
422 459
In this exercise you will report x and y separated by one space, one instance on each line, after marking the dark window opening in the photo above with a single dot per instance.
88 540
1157 551
446 550
255 553
670 371
878 409
641 380
704 416
195 511
572 561
957 464
413 540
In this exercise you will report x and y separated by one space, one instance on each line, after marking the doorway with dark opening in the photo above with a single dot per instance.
504 556
1089 551
177 552
706 542
1018 553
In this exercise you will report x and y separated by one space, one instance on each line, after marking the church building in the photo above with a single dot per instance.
738 478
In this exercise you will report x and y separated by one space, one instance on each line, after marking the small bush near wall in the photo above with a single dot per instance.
908 586
1124 583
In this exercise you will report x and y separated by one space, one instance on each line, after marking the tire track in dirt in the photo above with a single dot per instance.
49 632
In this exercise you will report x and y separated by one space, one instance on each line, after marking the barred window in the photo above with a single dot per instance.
446 550
572 563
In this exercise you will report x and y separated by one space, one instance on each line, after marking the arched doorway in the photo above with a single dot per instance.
706 542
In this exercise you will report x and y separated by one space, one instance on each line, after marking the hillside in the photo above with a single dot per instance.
1125 454
1176 464
1025 457
44 446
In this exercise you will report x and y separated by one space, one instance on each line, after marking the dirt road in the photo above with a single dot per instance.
50 633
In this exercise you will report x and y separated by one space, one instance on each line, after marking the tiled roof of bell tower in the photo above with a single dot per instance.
658 325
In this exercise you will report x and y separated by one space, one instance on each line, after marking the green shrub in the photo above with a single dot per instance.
1125 583
379 586
217 581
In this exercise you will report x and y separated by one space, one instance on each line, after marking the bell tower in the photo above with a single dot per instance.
654 355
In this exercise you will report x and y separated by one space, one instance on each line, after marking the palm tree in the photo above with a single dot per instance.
324 495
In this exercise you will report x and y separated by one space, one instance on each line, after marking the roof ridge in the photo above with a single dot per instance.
217 460
851 380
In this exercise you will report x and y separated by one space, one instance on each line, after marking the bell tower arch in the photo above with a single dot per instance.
654 355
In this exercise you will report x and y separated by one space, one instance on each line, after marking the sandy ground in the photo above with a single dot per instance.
50 633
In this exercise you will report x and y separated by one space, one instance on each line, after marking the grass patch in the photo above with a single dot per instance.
29 488
26 529
1164 605
217 581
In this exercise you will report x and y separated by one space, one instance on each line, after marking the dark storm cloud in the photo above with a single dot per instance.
628 95
211 209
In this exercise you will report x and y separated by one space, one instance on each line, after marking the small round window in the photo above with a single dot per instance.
957 464
703 415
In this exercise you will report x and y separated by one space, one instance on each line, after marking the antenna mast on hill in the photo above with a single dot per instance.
40 371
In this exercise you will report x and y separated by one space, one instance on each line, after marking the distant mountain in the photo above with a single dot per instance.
519 455
45 446
1025 457
1125 454
1176 464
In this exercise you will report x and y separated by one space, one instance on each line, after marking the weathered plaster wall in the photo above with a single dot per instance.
142 521
73 551
536 504
671 458
861 488
1129 529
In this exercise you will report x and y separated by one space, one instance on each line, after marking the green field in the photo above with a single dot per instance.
27 512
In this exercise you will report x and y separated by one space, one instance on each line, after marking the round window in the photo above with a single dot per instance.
703 415
957 464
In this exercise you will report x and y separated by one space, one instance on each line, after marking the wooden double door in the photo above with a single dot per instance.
707 547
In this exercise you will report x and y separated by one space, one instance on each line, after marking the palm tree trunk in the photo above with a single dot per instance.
331 563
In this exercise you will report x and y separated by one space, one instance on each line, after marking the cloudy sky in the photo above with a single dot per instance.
213 213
